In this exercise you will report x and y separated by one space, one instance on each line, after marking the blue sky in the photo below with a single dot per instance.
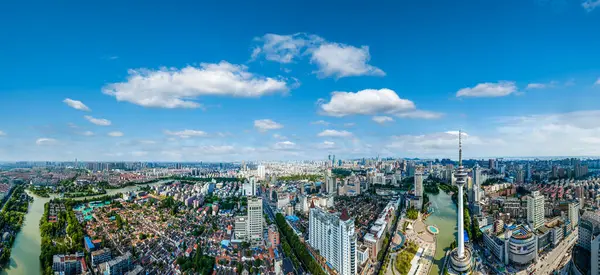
283 80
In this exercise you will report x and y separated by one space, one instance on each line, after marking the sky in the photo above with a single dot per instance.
298 80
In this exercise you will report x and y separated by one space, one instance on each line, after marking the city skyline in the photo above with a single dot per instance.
397 80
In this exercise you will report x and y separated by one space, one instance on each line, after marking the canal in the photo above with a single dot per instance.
24 259
444 218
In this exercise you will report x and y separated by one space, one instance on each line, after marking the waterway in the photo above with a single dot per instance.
444 218
24 259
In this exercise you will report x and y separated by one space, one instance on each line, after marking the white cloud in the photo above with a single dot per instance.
335 133
45 141
2 134
502 88
115 134
278 136
285 145
365 102
178 88
98 121
326 145
339 60
372 102
420 114
590 5
320 122
332 59
349 124
186 133
88 133
456 133
266 125
531 86
284 48
76 104
382 119
597 82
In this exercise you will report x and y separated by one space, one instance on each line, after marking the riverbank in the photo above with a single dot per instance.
11 220
444 218
27 245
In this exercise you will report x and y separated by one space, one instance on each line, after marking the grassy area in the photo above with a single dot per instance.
403 258
412 214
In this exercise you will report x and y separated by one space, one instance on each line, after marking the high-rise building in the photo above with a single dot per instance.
333 236
260 171
477 181
574 213
240 229
460 257
255 219
535 210
419 188
492 164
250 187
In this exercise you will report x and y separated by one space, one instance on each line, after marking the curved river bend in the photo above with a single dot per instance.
24 259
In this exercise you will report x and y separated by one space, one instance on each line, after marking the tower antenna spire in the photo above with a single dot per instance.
459 147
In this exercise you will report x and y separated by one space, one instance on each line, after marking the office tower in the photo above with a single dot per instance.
255 219
492 164
520 176
333 236
419 188
574 214
460 257
331 185
528 172
535 210
250 187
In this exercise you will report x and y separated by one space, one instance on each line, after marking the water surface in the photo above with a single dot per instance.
444 218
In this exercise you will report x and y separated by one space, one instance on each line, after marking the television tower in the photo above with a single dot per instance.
460 258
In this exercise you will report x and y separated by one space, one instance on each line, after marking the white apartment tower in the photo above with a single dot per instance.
535 210
260 171
333 235
255 219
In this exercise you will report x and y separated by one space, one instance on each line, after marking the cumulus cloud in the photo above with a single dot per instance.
2 134
179 88
372 102
285 145
45 141
382 119
339 60
320 122
334 133
115 134
76 104
284 48
590 5
264 125
98 121
488 89
326 145
186 133
278 136
332 59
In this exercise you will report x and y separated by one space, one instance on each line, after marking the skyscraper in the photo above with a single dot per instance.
492 164
332 234
535 210
260 171
460 257
255 219
476 183
419 188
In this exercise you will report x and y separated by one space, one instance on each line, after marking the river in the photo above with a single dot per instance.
24 259
444 218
